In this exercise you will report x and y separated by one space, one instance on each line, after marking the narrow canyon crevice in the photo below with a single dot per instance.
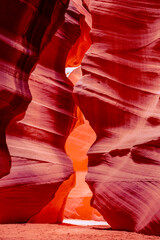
109 103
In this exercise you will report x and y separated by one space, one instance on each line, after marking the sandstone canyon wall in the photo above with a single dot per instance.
82 137
23 24
36 143
119 95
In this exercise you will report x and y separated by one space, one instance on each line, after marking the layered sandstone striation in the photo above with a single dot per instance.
26 27
82 137
33 191
119 95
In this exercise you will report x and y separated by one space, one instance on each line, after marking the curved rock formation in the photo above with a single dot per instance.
82 137
77 145
32 191
119 95
26 27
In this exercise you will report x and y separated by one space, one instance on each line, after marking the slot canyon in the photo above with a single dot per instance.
79 112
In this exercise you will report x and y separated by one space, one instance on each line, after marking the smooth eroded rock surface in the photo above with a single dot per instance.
32 191
119 95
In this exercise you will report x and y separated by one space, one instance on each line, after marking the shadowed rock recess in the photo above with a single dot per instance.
118 94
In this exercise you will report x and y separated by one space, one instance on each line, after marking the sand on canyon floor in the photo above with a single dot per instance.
65 232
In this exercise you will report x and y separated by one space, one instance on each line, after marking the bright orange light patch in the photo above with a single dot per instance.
80 139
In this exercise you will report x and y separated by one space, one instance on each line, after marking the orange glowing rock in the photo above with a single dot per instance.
82 136
78 201
53 212
117 90
81 46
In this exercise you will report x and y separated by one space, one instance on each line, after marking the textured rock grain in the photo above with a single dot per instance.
119 95
26 27
36 143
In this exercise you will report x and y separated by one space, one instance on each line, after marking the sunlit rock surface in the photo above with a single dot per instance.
32 191
82 137
77 145
36 143
119 95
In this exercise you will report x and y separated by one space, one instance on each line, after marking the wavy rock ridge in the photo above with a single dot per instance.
23 36
119 95
36 143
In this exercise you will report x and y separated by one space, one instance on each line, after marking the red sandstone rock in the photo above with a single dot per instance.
119 95
26 27
36 143
82 137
